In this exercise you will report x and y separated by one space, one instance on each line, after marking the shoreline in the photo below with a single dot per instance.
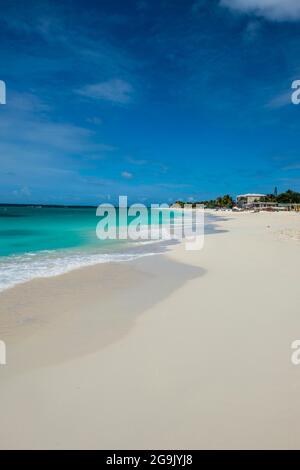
18 268
178 350
60 300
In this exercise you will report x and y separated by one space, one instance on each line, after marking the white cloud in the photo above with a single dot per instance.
276 10
127 175
292 166
135 161
23 191
95 121
115 90
252 31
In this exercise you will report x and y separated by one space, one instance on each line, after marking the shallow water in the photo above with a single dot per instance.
38 241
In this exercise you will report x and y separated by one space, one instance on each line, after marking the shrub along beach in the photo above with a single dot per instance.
288 198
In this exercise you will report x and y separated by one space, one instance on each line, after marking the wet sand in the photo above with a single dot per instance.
180 350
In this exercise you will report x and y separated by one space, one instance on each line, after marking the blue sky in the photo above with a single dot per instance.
158 100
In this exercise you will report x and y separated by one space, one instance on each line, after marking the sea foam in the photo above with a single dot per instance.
18 269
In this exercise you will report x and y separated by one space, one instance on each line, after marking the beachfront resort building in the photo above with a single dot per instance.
257 202
248 199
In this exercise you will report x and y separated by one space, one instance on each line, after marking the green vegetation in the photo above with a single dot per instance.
226 201
221 201
289 197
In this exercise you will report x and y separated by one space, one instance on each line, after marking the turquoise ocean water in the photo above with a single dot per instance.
38 241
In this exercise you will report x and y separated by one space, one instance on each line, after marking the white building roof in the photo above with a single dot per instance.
251 195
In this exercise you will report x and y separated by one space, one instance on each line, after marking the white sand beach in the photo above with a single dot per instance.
185 350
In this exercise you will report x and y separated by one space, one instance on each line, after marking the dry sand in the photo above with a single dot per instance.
186 350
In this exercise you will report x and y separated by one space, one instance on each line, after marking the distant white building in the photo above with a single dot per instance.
244 199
